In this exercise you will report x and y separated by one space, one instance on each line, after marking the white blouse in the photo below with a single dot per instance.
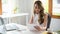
35 20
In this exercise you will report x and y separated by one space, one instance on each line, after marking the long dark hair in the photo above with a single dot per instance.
41 13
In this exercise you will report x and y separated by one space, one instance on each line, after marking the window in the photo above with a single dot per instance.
8 6
0 7
54 8
14 6
45 5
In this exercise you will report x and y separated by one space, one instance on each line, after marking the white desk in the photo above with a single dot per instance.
27 31
23 32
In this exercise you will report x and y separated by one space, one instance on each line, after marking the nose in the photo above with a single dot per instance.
37 9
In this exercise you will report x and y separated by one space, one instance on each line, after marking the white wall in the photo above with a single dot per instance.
25 6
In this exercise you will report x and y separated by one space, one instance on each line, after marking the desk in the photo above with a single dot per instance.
27 31
23 32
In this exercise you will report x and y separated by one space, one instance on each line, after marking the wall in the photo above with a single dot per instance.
25 6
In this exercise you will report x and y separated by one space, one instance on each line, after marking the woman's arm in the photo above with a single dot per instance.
45 21
31 20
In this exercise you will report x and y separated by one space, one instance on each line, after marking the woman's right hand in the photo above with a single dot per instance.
38 28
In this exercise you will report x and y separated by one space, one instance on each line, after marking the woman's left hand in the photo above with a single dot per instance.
38 28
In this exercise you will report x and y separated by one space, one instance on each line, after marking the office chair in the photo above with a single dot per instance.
2 23
49 21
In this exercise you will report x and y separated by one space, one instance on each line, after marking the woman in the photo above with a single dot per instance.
39 16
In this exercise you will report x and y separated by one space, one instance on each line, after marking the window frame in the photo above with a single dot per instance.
50 10
0 7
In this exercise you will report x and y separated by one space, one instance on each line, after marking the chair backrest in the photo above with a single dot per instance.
3 29
49 21
1 21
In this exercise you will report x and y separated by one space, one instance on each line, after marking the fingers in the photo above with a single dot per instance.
37 27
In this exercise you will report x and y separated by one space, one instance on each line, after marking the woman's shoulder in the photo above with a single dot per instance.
46 14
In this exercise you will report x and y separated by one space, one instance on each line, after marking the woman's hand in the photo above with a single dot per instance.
38 28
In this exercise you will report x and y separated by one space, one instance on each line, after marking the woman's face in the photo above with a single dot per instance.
36 8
